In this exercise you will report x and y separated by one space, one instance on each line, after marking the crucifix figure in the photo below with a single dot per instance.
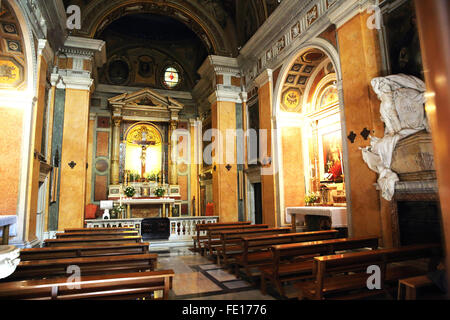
144 143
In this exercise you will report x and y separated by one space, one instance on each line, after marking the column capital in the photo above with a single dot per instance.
264 77
86 48
117 121
45 50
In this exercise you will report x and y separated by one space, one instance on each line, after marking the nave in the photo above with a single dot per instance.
229 261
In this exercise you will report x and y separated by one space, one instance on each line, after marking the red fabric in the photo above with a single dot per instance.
91 210
210 210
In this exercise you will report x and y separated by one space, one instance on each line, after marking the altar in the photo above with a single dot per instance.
338 215
167 205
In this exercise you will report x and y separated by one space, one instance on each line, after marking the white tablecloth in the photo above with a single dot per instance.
338 214
8 220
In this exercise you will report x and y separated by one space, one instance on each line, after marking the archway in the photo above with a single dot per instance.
311 149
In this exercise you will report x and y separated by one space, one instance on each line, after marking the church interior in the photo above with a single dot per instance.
224 149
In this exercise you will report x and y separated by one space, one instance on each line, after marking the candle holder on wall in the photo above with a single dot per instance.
352 136
365 133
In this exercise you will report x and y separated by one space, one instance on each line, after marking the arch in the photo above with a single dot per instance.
25 103
100 14
333 55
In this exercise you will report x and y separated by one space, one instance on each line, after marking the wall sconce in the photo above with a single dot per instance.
352 136
266 162
72 164
365 133
228 167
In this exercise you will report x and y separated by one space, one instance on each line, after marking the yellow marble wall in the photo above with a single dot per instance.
293 171
225 195
268 187
10 139
74 148
360 62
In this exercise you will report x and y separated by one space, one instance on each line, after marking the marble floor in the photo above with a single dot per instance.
198 278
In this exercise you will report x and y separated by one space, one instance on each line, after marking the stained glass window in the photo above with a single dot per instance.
171 77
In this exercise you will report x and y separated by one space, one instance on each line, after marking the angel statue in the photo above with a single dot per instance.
402 110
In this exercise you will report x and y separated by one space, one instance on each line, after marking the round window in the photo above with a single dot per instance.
171 77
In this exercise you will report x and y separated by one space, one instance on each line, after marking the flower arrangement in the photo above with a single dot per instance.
117 211
311 198
130 192
159 192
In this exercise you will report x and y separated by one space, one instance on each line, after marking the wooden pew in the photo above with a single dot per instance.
37 269
97 234
213 237
290 262
91 241
119 286
76 230
255 251
201 228
344 276
231 242
83 251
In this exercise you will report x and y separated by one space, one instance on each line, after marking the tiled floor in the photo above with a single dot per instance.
198 278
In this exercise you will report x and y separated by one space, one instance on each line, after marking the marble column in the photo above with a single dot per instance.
360 56
173 170
433 18
268 174
83 56
115 154
226 95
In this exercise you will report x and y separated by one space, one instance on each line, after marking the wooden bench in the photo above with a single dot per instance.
119 286
37 269
83 251
231 242
91 241
292 262
76 230
232 238
344 276
255 251
407 288
201 231
97 234
213 237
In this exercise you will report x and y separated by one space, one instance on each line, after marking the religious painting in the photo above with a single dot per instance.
329 97
291 100
146 66
118 71
403 41
332 157
143 155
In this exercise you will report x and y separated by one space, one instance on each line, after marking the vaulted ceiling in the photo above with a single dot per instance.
222 25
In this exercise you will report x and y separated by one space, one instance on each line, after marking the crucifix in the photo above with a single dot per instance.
144 144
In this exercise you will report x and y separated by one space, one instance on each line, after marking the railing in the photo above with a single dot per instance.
185 228
181 229
115 223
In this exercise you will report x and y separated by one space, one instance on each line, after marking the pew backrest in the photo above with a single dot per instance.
118 286
75 230
98 234
359 261
37 269
77 241
83 251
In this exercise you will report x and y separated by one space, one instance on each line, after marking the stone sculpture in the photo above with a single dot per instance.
402 110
